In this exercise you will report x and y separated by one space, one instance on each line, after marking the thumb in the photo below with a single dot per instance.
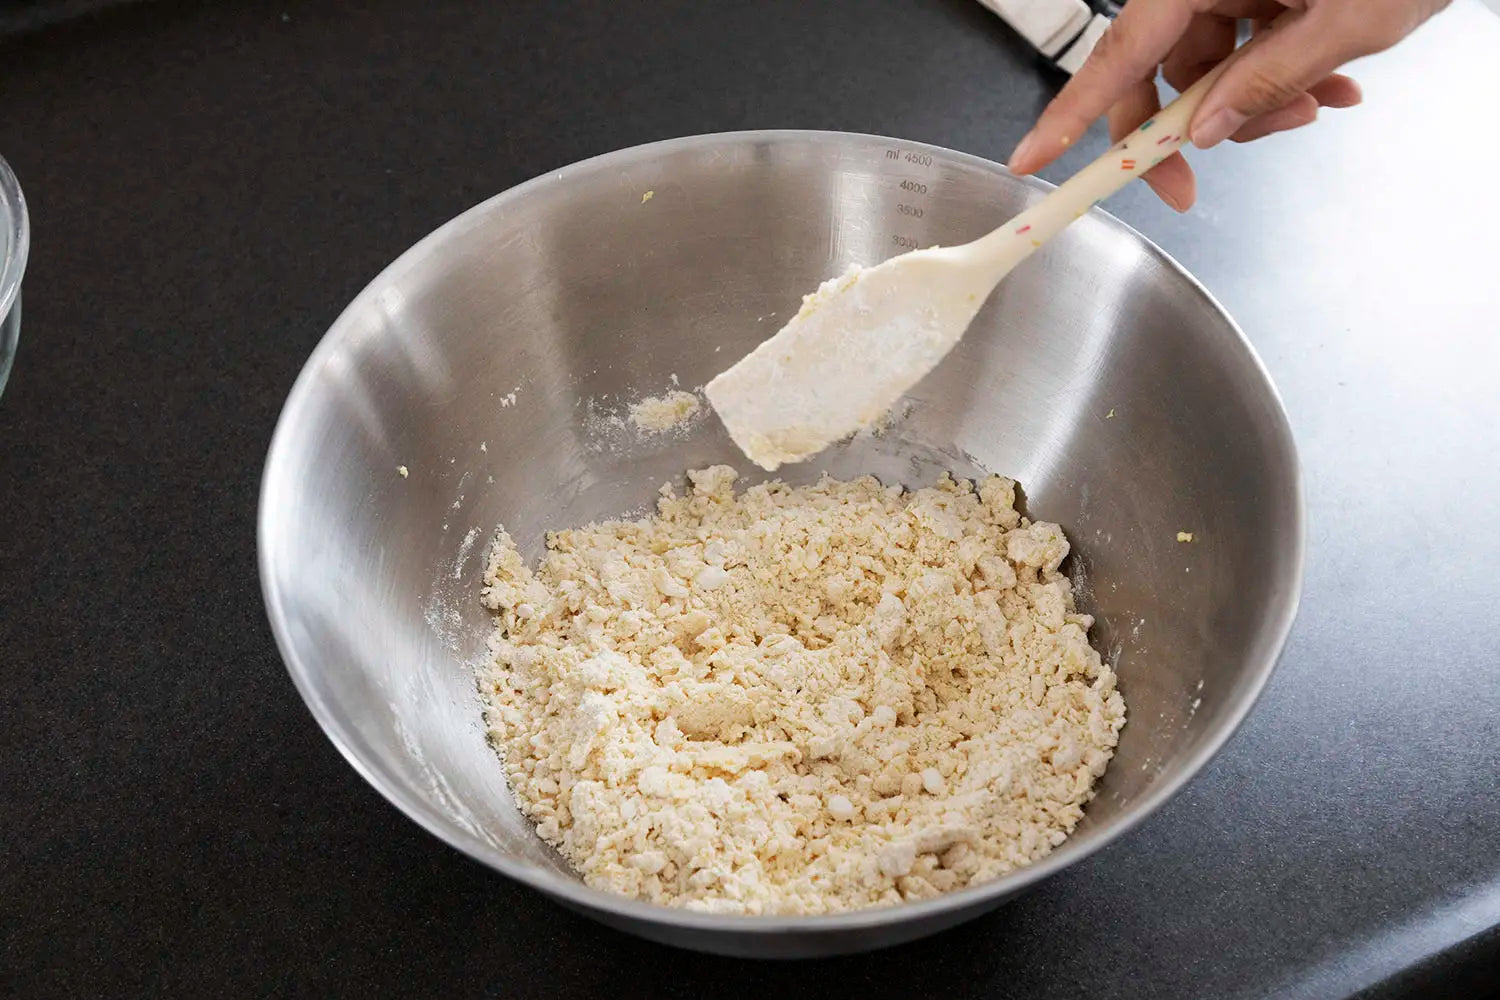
1278 66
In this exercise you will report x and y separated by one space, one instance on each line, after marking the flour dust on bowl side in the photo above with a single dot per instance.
494 365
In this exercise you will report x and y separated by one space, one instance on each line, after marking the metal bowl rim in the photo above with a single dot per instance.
575 891
18 222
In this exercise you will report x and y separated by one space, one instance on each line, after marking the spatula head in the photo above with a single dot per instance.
856 346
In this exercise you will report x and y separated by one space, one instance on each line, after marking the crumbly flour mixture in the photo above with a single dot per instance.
799 700
661 413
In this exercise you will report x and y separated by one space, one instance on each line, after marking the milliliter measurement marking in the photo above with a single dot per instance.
909 156
912 189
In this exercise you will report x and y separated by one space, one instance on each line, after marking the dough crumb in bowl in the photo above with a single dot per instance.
799 700
662 413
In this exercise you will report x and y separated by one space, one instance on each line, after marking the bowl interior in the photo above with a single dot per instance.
495 360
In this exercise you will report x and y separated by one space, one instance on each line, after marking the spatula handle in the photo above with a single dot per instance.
1157 138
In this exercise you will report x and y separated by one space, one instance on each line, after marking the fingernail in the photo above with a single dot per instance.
1220 126
1026 147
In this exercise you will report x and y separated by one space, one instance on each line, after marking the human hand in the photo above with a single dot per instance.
1277 85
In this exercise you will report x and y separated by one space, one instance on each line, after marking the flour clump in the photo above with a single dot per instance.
799 700
663 413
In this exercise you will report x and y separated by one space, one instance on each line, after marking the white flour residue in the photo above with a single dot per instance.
458 501
464 548
445 621
604 428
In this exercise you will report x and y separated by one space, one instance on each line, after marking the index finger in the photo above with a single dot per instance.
1128 52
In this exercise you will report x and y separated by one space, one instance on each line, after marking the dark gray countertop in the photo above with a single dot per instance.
211 183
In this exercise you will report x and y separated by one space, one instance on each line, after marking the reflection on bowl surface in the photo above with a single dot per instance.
15 241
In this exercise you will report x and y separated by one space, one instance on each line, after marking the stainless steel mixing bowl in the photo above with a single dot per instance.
492 359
